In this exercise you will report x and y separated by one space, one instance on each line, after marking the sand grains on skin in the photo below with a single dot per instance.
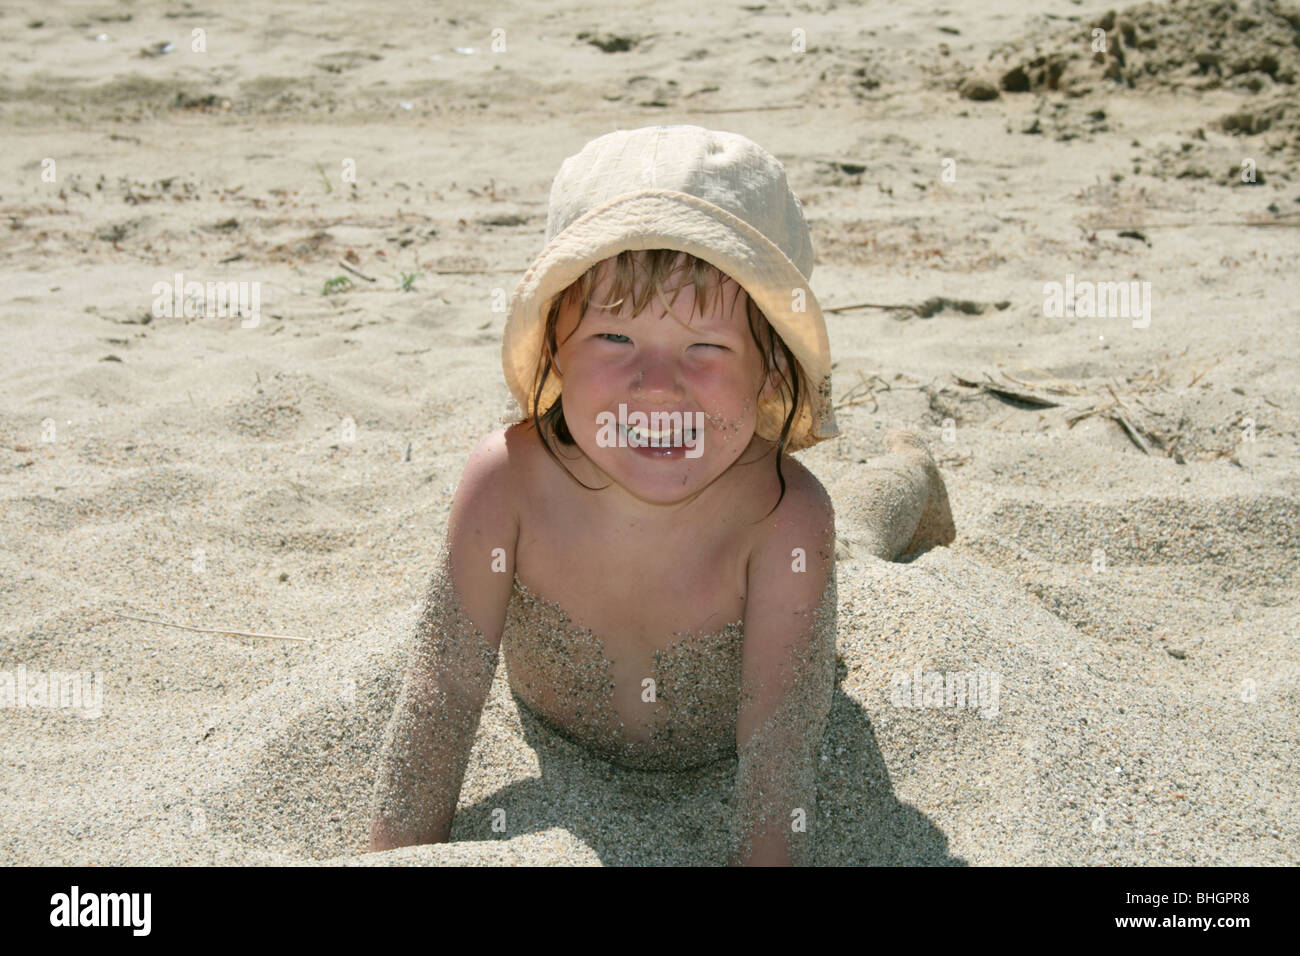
554 660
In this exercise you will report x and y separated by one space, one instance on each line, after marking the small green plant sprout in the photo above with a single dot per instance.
336 285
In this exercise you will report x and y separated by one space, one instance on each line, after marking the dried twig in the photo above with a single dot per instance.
1156 379
1057 383
1118 401
355 271
210 630
1047 388
1136 432
1117 408
872 305
1132 431
745 109
863 392
1003 391
1147 408
1198 377
1071 420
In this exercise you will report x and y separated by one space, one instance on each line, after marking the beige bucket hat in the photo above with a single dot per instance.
715 195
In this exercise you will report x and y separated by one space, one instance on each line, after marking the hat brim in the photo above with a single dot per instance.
665 219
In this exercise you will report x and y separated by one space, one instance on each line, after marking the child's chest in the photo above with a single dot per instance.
627 640
638 590
654 704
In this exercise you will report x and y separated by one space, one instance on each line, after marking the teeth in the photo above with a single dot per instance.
653 434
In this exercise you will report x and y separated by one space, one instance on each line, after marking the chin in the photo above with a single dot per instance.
653 479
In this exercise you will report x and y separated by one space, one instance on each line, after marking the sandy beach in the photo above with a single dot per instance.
1072 270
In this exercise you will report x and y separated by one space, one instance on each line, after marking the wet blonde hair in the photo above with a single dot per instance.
640 275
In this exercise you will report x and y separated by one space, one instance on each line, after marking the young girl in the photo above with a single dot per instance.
655 569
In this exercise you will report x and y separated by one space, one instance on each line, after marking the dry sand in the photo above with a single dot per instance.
1139 610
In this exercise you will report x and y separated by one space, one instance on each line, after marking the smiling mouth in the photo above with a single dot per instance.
658 437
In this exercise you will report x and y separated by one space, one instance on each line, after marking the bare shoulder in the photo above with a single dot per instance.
489 478
805 508
483 532
793 548
805 492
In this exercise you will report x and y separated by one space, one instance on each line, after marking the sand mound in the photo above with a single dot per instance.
302 751
1249 48
1201 45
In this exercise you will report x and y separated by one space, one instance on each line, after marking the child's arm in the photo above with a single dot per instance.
788 677
452 660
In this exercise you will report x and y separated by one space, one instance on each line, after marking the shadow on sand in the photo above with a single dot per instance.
632 817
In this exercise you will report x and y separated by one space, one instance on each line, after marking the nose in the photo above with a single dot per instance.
656 376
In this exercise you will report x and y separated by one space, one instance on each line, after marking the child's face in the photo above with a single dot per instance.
706 368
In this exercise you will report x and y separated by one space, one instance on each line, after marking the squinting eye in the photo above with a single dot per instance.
610 336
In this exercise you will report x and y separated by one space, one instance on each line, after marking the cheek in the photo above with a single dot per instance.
581 375
733 412
742 387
